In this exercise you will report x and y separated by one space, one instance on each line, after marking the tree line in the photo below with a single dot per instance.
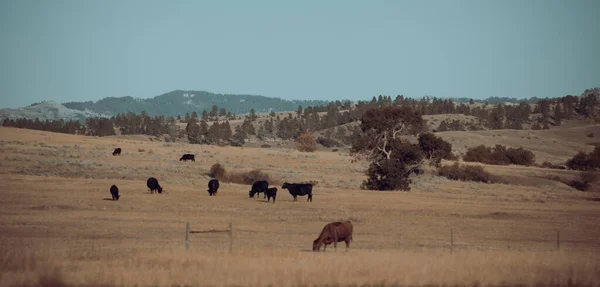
213 127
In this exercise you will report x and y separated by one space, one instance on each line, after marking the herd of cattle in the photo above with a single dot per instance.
332 232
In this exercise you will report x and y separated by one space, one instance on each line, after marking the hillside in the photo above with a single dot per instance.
59 226
180 102
48 110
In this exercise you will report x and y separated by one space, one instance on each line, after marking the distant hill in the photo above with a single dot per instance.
180 102
47 110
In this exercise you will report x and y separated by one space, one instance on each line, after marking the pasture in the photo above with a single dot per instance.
56 229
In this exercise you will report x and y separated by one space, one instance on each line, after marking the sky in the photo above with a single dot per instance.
85 50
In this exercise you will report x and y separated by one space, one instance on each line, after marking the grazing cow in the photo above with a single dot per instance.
271 192
187 157
258 187
213 186
117 151
114 191
333 233
299 189
153 185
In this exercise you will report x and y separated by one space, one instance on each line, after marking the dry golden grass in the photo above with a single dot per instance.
56 227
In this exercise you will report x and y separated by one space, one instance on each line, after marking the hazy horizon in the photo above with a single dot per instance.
87 50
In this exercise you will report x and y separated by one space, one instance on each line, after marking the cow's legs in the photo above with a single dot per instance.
335 239
347 243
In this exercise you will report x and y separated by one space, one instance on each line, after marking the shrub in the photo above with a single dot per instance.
248 177
590 135
393 173
479 153
536 126
265 146
327 142
334 150
583 161
465 173
499 155
306 142
217 171
520 156
435 148
387 175
586 179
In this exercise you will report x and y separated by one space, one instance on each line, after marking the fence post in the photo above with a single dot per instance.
187 236
230 237
558 240
451 240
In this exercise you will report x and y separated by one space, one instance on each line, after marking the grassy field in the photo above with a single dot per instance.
56 229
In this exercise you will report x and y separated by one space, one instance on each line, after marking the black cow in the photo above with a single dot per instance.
271 192
299 189
258 187
117 151
114 191
153 185
187 157
213 186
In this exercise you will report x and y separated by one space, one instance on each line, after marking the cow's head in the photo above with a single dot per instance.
251 194
317 243
285 185
160 189
117 197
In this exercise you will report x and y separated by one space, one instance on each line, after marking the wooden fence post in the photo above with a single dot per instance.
230 237
187 236
451 240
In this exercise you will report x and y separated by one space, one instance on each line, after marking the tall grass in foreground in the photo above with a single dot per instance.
295 268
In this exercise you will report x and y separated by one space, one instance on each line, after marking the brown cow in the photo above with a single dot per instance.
333 233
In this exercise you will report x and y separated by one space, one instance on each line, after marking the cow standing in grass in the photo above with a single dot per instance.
117 151
213 186
153 185
114 191
258 187
299 189
333 233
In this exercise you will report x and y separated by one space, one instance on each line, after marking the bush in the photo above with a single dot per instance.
479 153
217 171
387 174
265 146
327 142
586 179
393 173
306 142
435 148
520 156
583 161
499 155
465 173
248 177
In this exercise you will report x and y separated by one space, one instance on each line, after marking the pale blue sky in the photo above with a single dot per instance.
83 50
